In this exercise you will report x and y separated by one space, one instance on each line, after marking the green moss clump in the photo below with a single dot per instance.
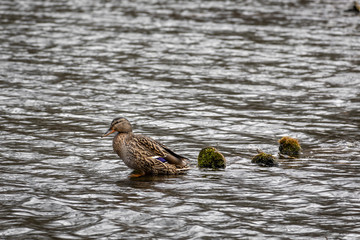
289 146
265 160
210 157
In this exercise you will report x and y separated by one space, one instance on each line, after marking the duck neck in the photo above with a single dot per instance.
121 136
119 143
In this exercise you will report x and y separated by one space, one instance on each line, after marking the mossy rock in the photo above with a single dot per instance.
265 160
210 157
289 146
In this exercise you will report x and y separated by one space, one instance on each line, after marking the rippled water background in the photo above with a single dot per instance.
236 75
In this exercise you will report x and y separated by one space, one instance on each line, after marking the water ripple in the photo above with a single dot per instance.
237 76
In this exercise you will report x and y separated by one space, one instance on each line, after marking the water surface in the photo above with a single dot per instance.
237 75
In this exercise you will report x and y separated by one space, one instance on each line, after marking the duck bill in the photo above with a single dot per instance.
108 132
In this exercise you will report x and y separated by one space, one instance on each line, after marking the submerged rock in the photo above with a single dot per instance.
265 160
210 157
289 146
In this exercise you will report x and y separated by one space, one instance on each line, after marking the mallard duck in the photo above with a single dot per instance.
355 7
143 154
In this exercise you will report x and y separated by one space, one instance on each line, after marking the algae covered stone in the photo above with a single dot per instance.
289 146
265 160
210 157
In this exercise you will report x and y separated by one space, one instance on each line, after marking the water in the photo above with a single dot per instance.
237 75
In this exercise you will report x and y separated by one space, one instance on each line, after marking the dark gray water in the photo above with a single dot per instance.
237 75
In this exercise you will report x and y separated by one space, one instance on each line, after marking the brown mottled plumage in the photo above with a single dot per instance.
142 153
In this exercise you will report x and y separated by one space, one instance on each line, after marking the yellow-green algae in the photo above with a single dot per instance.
289 146
265 160
210 157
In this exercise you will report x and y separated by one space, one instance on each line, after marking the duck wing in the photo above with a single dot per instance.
151 148
155 166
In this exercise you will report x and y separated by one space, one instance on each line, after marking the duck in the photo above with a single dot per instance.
143 154
354 8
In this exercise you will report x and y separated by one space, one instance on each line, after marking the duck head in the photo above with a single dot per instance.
120 124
